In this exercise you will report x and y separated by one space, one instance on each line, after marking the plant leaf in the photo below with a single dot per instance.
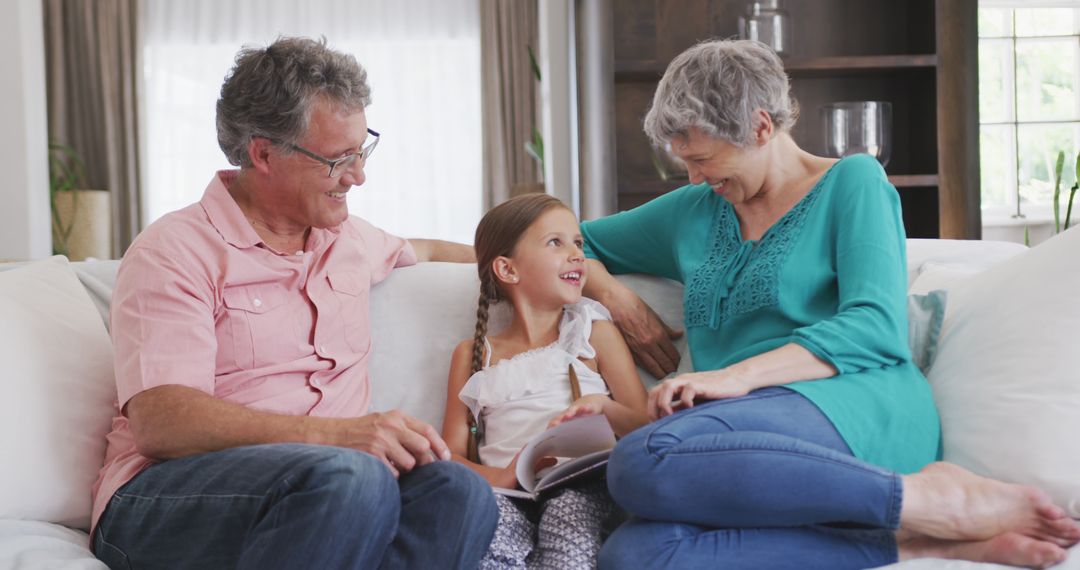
532 61
1057 190
1068 211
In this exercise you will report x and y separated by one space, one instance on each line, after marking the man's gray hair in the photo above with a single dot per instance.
270 92
716 86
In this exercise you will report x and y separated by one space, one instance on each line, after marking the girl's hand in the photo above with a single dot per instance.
682 390
590 405
507 477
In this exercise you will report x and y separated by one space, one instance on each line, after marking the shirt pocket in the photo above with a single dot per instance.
254 314
351 290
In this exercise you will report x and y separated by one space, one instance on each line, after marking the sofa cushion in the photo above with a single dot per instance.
58 394
1005 377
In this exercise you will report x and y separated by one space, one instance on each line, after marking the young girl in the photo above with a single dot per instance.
517 383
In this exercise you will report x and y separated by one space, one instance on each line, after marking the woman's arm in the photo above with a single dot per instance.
789 363
625 409
456 421
869 328
642 240
649 337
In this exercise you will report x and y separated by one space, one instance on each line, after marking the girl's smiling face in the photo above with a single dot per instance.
548 265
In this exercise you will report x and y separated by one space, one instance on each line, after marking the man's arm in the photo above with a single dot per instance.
439 250
174 421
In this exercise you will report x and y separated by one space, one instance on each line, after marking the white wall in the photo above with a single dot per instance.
24 190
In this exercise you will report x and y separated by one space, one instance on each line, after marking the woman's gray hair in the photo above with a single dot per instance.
270 92
716 86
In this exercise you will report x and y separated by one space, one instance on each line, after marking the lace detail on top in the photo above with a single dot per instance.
739 276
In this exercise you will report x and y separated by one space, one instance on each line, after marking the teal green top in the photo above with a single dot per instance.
830 276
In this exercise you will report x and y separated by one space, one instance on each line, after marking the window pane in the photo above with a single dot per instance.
1038 149
995 92
995 150
1044 22
994 22
1045 77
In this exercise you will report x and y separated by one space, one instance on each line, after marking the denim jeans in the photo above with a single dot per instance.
296 506
762 481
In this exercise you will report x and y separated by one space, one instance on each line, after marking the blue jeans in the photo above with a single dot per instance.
762 481
296 506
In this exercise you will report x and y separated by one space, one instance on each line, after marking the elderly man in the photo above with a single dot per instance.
241 336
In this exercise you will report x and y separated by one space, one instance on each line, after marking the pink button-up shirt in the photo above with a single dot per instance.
201 301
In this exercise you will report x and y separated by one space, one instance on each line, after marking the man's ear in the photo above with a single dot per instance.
763 127
504 270
259 153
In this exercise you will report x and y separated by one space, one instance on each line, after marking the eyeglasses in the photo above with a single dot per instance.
339 166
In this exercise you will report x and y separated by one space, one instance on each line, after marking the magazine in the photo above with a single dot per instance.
580 447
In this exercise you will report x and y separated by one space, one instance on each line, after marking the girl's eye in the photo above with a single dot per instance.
554 241
580 243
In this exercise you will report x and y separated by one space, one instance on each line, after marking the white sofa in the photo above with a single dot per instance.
60 397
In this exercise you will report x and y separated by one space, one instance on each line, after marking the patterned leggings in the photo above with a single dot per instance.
564 531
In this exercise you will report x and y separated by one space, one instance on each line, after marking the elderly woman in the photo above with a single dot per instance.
807 436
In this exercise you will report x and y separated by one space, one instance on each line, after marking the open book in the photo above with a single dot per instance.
580 446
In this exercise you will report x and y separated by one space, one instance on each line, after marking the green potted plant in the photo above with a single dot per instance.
535 146
1057 191
80 215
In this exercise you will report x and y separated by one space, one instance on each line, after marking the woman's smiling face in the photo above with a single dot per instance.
736 174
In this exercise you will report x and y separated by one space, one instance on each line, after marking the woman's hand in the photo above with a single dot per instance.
591 405
681 391
648 337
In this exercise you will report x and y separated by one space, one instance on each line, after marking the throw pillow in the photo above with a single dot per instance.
926 308
925 316
1005 378
59 394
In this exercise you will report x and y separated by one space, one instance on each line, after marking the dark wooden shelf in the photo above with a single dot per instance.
653 188
650 70
799 67
913 180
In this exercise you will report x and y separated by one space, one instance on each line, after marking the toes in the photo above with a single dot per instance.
1051 512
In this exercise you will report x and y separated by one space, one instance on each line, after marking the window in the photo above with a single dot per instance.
1029 103
423 64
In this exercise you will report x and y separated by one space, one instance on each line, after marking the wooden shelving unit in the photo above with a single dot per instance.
796 67
919 55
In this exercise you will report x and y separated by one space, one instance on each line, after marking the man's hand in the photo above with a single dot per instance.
399 441
648 337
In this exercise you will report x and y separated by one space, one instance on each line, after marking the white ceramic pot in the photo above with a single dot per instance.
88 214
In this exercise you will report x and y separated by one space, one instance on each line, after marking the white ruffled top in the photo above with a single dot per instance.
516 398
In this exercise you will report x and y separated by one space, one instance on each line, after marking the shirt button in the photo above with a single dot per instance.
257 302
299 252
322 348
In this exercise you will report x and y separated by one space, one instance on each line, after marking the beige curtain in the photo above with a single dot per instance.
92 63
507 29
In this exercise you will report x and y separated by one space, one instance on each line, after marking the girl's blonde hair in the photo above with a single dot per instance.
497 235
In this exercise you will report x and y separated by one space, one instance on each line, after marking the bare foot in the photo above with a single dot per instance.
946 501
1011 548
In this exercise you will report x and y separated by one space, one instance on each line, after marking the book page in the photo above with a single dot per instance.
575 438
